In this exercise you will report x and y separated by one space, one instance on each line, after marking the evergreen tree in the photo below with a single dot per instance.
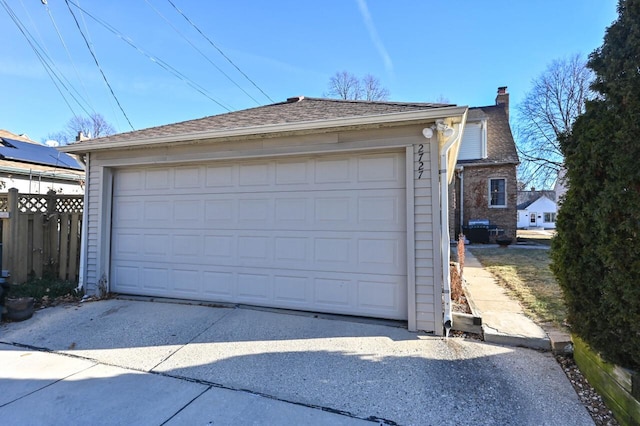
596 254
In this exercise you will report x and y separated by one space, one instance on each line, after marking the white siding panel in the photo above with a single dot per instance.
423 234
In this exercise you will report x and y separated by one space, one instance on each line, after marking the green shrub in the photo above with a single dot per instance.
44 289
596 253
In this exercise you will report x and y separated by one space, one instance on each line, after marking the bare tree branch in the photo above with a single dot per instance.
373 90
344 85
93 126
547 112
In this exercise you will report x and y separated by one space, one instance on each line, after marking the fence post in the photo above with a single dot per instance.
11 245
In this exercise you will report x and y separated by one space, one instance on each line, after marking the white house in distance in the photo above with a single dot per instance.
538 210
33 168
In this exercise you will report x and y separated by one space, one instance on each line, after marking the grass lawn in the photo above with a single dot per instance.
526 274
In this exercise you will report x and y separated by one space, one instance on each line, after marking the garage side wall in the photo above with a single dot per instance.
427 236
93 219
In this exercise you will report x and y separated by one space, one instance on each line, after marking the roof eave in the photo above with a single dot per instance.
271 129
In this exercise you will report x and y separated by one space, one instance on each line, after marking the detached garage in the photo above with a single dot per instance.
310 204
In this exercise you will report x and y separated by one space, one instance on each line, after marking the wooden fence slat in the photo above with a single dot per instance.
38 243
52 255
64 246
6 232
21 271
74 246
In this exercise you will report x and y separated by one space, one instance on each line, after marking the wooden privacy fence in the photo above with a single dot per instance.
40 235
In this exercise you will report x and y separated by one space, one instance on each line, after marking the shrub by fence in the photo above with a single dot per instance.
41 235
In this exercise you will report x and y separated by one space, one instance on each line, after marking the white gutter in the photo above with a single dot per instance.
448 144
269 129
85 222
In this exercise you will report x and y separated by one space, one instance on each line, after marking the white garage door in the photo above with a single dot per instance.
323 233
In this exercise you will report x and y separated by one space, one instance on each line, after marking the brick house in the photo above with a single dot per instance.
485 185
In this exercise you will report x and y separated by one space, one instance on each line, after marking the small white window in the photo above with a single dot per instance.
497 192
550 217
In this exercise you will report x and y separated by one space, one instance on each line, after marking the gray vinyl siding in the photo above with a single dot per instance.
428 310
92 229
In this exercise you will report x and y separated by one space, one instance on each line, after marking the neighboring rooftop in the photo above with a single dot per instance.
526 198
298 109
16 149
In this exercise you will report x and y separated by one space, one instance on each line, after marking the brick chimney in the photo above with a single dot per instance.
503 99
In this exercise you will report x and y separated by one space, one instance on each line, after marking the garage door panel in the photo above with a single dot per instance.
292 290
264 176
379 168
155 278
188 213
320 233
353 252
305 211
253 288
187 178
218 285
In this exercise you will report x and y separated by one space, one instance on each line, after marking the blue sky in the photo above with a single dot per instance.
420 50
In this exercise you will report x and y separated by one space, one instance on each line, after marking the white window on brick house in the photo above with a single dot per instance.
474 141
497 192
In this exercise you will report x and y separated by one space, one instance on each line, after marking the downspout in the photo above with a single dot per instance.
448 137
83 234
461 199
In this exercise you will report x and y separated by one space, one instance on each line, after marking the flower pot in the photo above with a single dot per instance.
19 309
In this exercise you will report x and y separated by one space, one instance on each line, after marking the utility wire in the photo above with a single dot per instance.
98 64
200 51
33 43
219 50
111 104
153 59
75 69
49 62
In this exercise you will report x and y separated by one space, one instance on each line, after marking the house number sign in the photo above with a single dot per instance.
420 163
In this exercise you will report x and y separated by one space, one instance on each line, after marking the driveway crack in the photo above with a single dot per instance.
191 340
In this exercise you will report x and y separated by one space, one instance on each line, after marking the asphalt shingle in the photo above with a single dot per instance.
294 110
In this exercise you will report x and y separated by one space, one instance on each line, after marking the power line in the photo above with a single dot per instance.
200 52
88 34
75 69
47 67
153 59
51 64
98 64
219 50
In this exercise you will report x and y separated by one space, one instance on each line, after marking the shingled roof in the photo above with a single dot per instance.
501 148
295 110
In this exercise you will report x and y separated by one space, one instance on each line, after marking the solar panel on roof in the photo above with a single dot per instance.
11 149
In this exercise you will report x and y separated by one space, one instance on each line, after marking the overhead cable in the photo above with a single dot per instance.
218 49
98 64
152 58
200 51
50 64
75 69
45 65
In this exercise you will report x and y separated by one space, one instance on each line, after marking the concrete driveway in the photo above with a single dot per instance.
139 362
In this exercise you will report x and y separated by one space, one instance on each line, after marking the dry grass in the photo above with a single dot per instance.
526 274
